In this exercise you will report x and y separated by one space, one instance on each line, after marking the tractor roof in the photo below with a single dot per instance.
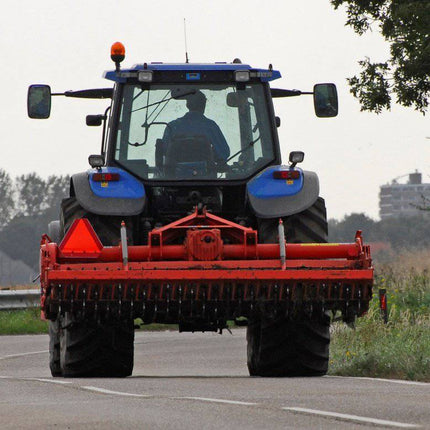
264 75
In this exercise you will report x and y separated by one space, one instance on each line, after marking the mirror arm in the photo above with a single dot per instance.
104 131
278 93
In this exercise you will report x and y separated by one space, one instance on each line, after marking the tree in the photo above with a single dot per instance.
57 189
344 230
405 24
403 232
31 194
7 204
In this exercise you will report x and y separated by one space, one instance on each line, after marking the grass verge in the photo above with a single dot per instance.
399 349
26 321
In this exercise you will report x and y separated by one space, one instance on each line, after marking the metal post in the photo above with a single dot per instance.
124 246
281 234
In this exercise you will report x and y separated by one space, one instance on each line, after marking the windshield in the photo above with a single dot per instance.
193 131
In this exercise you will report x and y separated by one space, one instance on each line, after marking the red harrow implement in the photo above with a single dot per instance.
201 271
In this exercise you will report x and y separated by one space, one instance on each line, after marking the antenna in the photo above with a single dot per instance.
185 38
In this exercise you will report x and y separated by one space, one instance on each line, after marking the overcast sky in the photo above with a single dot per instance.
67 44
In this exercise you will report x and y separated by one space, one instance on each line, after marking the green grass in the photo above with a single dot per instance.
25 321
399 349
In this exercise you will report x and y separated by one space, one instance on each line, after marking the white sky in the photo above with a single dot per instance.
67 44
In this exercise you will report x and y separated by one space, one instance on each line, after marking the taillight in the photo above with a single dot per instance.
105 177
286 174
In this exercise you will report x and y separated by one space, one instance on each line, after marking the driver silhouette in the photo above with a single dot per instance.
195 123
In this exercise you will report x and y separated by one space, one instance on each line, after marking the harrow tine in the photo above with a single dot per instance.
60 299
180 301
84 299
204 303
132 301
168 299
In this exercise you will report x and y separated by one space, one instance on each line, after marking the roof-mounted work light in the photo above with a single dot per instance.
241 75
117 54
145 76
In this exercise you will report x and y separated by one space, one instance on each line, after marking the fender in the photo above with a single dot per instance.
125 197
275 198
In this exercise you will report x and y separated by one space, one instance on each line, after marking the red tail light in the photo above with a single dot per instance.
286 174
105 177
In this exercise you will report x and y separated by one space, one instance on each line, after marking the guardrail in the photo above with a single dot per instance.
19 299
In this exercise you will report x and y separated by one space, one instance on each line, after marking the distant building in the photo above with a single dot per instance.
402 199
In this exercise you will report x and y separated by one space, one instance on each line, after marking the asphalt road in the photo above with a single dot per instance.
195 381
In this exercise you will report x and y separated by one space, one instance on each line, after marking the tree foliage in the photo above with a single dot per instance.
35 194
405 25
7 204
27 205
403 232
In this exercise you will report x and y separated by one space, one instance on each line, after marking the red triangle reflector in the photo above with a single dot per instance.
81 241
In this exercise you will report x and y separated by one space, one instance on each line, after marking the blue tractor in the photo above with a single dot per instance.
179 138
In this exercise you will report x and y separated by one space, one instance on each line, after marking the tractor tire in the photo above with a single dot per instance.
283 347
54 348
309 226
91 349
54 231
106 227
296 346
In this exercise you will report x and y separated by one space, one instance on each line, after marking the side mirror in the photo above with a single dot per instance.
39 101
325 100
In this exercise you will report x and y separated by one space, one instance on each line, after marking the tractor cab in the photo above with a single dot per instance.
193 122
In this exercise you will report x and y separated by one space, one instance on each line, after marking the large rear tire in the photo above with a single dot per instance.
296 346
54 348
309 226
283 347
91 349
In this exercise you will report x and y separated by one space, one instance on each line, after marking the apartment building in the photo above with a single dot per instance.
404 199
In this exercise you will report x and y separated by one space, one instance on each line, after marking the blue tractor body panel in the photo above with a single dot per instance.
265 186
125 197
275 198
127 187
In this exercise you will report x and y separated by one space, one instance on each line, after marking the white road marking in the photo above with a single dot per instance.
23 354
49 381
354 418
393 381
230 402
116 393
25 378
147 396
